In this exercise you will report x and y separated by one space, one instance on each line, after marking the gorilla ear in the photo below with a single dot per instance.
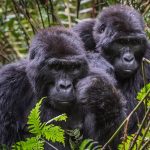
101 28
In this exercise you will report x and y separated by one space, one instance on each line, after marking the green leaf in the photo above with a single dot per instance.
89 144
33 143
53 133
62 117
143 92
34 122
126 143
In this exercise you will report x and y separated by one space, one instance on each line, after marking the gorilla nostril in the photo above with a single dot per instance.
128 58
65 86
62 86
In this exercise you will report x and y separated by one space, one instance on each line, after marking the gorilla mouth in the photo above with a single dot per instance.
128 71
125 73
64 103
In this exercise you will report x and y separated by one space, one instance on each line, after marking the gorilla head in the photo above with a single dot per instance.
57 62
119 36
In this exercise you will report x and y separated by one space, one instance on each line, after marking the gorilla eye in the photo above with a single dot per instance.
121 41
54 67
101 29
135 42
75 68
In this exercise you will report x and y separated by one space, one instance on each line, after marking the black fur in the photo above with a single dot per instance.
56 68
104 106
112 25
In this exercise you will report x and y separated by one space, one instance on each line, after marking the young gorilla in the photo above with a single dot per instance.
118 35
57 68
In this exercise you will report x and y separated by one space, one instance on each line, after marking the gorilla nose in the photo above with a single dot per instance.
128 58
65 86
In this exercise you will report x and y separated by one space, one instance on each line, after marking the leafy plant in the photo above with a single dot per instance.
141 139
42 132
145 91
89 144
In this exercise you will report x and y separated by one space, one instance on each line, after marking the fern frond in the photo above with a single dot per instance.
33 143
53 133
89 144
76 134
34 123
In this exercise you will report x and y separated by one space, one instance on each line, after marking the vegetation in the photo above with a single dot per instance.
42 132
19 21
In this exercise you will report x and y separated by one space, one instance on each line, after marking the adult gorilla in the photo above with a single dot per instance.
118 35
57 68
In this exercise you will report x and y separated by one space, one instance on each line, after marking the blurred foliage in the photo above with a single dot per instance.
20 19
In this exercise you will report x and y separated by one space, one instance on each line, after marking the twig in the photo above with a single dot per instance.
143 73
49 144
5 57
52 11
40 13
146 60
53 119
47 12
145 145
68 10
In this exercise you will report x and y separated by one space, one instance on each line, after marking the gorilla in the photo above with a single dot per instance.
58 69
104 107
117 35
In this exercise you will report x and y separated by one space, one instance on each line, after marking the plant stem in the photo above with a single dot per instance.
146 60
53 119
145 145
143 137
49 144
38 4
68 11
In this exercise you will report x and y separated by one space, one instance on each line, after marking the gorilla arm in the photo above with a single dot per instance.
15 96
105 107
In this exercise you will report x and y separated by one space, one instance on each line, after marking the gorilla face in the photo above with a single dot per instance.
57 62
66 73
125 54
120 38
